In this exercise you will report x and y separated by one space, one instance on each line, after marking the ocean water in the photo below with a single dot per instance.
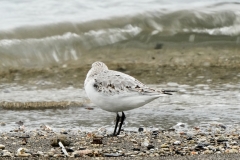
46 33
200 105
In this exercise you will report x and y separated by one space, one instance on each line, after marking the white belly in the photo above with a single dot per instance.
118 102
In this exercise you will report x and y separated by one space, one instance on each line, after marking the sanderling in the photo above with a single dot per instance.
114 91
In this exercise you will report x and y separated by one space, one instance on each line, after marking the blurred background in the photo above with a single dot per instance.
47 47
40 34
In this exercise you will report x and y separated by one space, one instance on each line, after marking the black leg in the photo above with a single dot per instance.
116 125
122 120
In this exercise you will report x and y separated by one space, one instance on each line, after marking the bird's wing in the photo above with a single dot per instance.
114 82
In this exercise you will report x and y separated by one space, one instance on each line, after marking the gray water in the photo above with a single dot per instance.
49 33
17 13
199 105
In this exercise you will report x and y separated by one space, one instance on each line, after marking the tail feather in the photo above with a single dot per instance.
168 91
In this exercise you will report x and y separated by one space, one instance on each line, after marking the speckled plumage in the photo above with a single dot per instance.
115 91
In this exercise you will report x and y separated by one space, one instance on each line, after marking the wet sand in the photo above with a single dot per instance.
170 60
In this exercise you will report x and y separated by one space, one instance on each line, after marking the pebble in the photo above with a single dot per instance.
221 139
164 146
50 154
132 144
177 142
2 146
2 124
81 153
40 153
145 143
150 147
112 155
6 153
60 137
23 152
140 129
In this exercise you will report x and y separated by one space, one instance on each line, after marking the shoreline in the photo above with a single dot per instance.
166 144
168 55
178 60
39 105
146 73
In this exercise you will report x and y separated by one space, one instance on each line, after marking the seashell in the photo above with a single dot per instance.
23 152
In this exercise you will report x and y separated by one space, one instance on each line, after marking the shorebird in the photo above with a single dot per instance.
114 91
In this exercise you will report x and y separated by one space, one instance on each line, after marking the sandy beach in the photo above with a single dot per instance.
147 143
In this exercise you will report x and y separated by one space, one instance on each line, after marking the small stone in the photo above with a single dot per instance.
57 155
140 129
134 141
50 154
89 108
158 46
177 142
164 146
20 123
40 153
221 139
69 149
81 153
156 155
231 151
46 128
208 152
98 136
222 126
64 132
2 146
60 138
151 155
150 147
235 147
121 135
194 153
141 154
200 146
112 155
189 138
145 143
6 153
136 149
233 143
97 141
128 154
155 132
171 130
23 152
